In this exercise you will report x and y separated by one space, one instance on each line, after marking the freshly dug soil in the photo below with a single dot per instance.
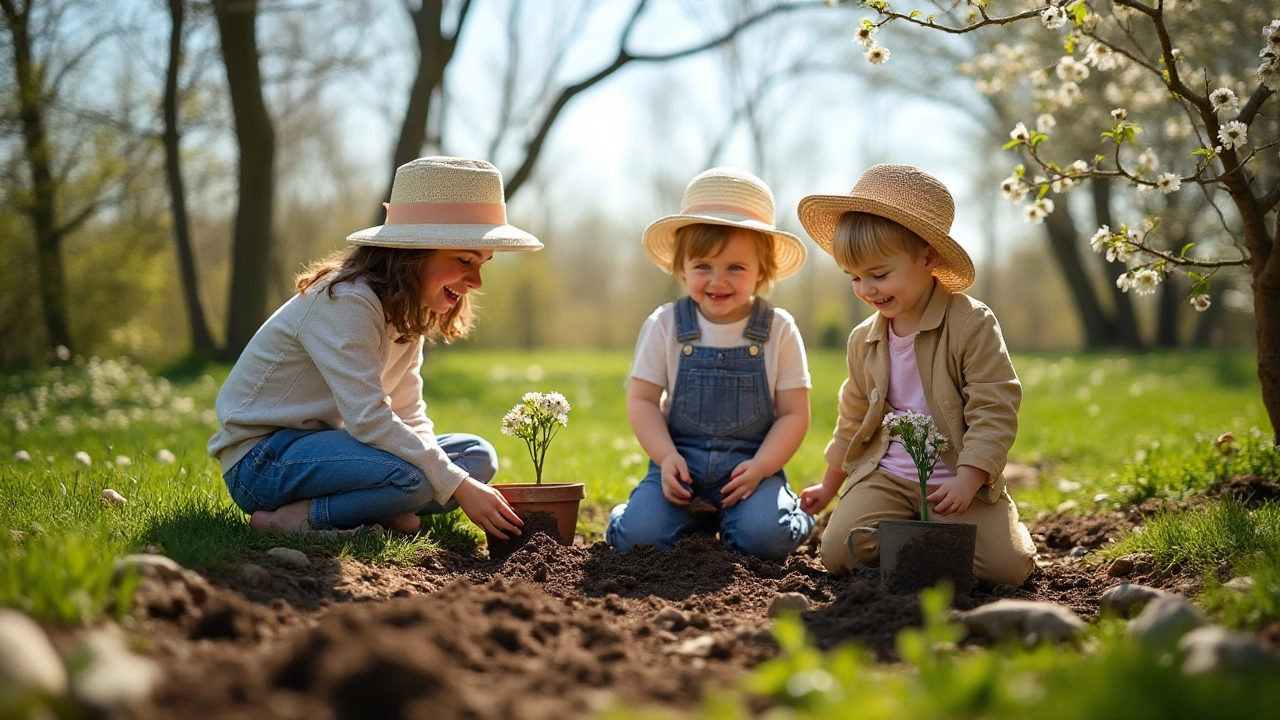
553 631
534 523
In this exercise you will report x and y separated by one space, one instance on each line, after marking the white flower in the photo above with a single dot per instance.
876 54
22 456
1014 189
83 458
1168 182
864 37
1201 302
1068 94
123 461
1223 99
1103 57
1143 281
1148 161
1053 17
164 457
1079 167
1020 133
1037 211
63 353
1119 113
1271 34
1269 75
1234 134
1071 69
1045 122
1099 240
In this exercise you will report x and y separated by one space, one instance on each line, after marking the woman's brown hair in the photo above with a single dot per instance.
395 275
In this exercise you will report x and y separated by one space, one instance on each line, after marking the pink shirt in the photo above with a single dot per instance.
906 392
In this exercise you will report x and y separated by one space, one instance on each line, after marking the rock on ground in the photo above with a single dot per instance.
289 556
115 681
1126 597
1164 620
788 602
28 662
1030 621
1213 648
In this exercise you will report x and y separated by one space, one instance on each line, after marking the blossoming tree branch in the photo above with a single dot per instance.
1200 116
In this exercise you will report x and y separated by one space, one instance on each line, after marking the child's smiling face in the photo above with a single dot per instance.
448 275
724 284
897 285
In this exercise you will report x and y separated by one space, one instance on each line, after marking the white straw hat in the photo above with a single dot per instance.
906 195
731 197
446 202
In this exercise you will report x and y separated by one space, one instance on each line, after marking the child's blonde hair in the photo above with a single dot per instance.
702 240
861 238
395 275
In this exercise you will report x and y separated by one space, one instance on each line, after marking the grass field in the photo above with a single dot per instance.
1103 429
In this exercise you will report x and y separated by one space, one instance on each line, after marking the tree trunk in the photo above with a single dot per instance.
201 340
1169 301
1124 321
434 52
42 210
1064 242
253 238
1266 312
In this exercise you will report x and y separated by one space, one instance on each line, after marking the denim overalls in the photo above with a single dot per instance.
720 413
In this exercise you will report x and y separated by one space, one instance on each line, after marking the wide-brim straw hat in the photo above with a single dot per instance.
447 202
906 195
729 197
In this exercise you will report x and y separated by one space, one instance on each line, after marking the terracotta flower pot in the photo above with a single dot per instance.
549 507
915 555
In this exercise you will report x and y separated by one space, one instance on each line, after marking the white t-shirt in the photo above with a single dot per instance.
657 358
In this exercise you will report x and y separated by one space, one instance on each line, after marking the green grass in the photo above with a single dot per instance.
1094 425
1202 538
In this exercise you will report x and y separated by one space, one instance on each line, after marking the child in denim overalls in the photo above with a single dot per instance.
719 394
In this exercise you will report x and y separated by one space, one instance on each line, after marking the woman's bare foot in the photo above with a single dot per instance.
291 518
406 524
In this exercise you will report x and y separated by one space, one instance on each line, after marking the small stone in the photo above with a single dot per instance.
1120 567
289 556
148 565
788 603
253 575
165 457
1213 648
1079 551
22 456
111 497
1126 597
1164 620
115 682
1066 506
670 619
82 457
1242 584
1030 621
28 662
700 646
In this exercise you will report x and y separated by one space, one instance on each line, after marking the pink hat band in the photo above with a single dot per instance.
429 213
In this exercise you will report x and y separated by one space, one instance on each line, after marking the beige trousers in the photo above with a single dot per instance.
1004 551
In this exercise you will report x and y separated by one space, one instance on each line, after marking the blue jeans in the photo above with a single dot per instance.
349 483
768 525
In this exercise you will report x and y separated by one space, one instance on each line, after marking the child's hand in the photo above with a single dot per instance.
815 498
487 508
742 482
675 475
953 496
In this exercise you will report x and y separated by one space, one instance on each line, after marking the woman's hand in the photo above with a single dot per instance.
675 475
487 508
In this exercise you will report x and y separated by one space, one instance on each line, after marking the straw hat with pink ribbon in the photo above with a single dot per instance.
730 197
446 202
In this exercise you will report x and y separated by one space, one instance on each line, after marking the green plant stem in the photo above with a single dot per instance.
924 504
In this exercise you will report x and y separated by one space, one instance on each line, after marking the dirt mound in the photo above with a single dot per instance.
1064 532
1251 490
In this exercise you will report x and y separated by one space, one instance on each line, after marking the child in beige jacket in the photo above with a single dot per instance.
928 348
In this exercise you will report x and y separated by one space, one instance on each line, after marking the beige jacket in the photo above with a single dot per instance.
970 384
324 363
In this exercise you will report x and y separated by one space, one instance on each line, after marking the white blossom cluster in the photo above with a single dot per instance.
536 419
875 53
97 394
1269 70
920 436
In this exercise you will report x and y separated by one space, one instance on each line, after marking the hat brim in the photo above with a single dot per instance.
499 238
659 240
819 214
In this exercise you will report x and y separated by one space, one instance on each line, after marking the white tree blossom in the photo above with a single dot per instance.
1233 135
1223 99
536 419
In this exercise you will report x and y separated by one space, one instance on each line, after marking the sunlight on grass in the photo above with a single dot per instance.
1201 538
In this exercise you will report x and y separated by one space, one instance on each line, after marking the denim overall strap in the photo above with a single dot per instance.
761 322
721 396
687 320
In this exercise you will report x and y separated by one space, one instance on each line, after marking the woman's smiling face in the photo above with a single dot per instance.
448 275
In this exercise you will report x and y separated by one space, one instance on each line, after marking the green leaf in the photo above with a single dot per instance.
1011 143
1185 248
915 14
